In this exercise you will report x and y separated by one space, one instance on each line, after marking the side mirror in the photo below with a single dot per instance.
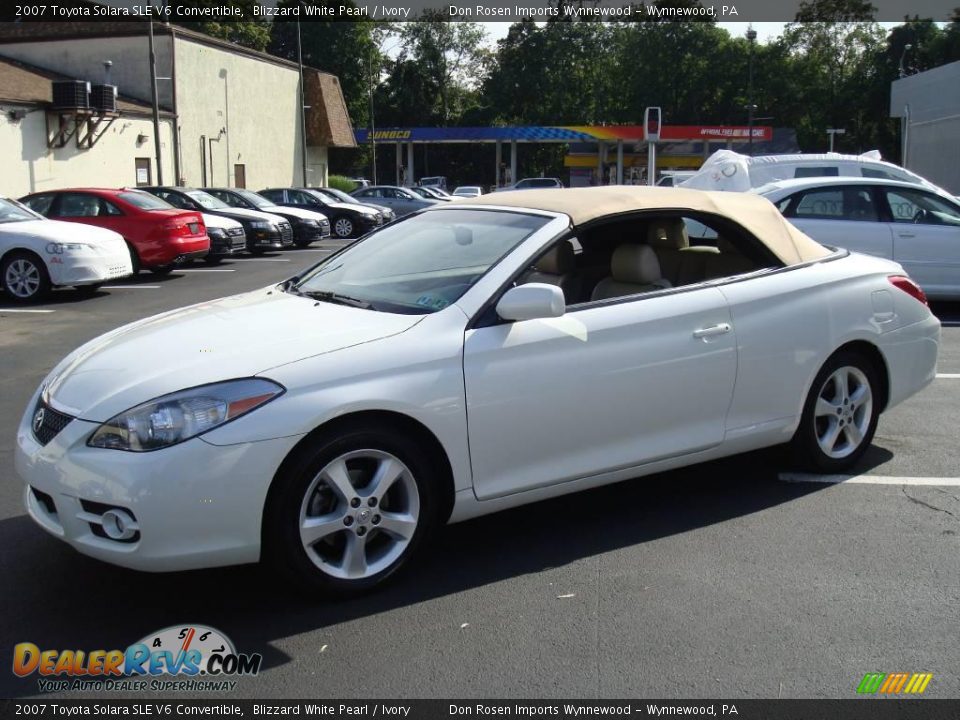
532 301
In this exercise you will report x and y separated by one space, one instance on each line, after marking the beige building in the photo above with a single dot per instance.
229 115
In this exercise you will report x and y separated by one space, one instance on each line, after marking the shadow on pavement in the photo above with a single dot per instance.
58 598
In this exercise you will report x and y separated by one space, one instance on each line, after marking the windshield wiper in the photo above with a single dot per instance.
332 297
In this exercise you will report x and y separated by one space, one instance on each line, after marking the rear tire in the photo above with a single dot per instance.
134 259
330 528
87 291
840 415
213 259
162 269
24 277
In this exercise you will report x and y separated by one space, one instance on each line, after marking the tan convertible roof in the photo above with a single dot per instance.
582 205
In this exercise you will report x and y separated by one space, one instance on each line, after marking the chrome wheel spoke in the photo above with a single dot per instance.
860 396
829 439
338 478
354 562
316 528
854 436
388 472
398 525
825 408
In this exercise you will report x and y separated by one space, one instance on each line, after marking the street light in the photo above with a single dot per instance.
752 39
903 55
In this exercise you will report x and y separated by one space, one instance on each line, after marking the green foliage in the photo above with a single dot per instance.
340 182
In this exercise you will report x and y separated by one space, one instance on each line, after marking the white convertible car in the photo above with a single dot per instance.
37 254
470 358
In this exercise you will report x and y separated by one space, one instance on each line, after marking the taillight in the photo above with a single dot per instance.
909 287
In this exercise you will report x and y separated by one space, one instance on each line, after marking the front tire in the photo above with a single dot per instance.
349 511
840 415
25 277
343 227
213 259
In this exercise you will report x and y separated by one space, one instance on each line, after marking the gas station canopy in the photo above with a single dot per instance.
562 133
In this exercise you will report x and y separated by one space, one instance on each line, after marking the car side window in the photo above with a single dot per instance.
108 208
808 172
79 205
274 195
40 203
922 208
836 203
299 197
880 174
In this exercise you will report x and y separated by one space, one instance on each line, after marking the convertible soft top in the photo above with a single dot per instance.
582 205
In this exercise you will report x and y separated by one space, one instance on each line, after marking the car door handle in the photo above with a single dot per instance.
712 330
906 234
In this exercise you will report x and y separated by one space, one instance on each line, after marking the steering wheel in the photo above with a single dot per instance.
919 216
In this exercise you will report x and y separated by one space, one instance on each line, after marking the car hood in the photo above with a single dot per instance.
233 337
57 231
356 207
296 212
244 214
217 221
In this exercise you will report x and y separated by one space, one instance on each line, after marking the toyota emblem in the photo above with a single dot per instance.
38 420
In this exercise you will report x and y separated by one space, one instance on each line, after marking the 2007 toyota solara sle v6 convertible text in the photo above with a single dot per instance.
475 356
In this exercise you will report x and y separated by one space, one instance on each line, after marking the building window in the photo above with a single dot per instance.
144 176
240 176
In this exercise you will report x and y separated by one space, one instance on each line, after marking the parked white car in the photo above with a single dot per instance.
37 254
916 226
462 361
468 191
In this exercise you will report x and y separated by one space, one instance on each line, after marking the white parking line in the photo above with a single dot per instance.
130 287
24 310
262 259
203 270
949 376
868 479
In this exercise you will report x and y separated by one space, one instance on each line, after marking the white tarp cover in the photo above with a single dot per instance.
727 170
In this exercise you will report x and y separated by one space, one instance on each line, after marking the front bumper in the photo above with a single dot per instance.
194 504
277 237
88 269
228 245
305 234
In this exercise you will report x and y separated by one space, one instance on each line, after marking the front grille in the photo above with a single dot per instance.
47 422
45 500
236 232
286 233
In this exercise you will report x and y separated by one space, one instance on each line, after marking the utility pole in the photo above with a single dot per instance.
835 131
373 133
156 104
752 39
303 106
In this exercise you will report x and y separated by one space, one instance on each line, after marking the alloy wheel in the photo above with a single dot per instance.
343 227
359 514
843 412
22 278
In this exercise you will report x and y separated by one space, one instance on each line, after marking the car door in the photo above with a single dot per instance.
608 386
87 209
845 216
304 201
926 238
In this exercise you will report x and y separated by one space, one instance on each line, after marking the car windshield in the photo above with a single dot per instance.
206 200
12 211
339 195
422 264
144 201
254 199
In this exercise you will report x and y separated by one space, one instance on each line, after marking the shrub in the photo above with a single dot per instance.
340 182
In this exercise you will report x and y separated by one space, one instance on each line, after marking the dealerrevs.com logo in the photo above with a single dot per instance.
200 657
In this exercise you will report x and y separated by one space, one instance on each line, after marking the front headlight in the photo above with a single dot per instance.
58 248
218 233
310 222
182 415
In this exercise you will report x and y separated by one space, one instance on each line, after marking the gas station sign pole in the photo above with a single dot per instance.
651 133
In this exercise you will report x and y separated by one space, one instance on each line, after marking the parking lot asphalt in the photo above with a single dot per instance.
719 580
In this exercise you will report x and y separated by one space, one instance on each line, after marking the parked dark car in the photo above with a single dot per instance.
308 225
159 236
340 196
264 230
346 220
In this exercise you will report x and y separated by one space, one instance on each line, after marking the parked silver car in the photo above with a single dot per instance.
398 199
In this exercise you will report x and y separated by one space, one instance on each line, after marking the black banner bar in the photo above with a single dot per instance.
855 709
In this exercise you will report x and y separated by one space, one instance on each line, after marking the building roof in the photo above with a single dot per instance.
27 84
758 215
48 31
327 120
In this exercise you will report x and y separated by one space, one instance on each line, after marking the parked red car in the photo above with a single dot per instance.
159 236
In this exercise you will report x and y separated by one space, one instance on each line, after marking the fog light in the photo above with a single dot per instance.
118 525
